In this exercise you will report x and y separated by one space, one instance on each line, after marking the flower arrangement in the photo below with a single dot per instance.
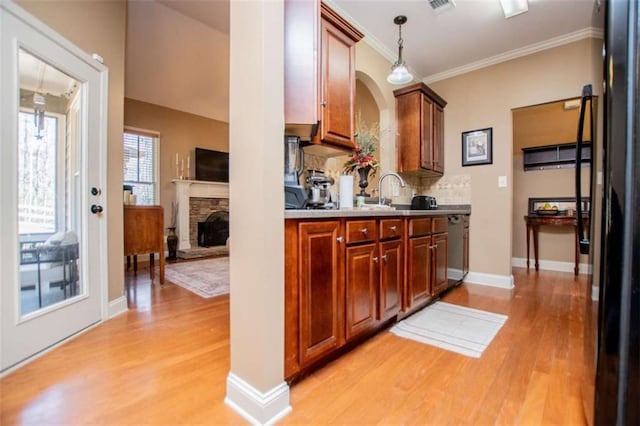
367 136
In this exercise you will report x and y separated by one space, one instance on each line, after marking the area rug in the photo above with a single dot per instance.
206 278
455 328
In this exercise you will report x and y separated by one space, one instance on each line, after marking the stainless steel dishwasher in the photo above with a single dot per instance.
458 252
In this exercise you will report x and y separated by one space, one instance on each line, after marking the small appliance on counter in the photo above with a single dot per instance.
424 202
318 187
295 195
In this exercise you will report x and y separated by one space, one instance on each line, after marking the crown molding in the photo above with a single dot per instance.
369 38
590 32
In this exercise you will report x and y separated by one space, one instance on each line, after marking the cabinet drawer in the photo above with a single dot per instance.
390 228
439 224
421 226
361 230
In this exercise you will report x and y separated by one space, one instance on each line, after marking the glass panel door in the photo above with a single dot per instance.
47 163
52 168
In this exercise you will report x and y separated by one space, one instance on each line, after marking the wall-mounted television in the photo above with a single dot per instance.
212 165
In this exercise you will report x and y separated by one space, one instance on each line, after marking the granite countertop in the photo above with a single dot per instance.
400 210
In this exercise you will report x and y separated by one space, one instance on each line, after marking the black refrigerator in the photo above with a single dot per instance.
617 340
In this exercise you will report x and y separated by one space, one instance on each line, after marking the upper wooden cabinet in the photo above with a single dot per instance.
420 140
319 76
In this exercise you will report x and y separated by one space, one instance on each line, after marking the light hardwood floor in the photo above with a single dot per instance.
166 361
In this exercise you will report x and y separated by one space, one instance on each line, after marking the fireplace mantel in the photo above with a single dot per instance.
186 189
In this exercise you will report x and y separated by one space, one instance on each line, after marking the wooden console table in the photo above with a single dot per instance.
533 224
144 233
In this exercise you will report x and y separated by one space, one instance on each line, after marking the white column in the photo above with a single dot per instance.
183 190
255 385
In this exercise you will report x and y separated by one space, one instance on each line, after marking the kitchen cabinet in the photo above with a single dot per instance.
418 279
321 289
320 77
420 138
346 278
391 268
440 281
361 285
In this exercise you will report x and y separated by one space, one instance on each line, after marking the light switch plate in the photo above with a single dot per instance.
502 181
599 178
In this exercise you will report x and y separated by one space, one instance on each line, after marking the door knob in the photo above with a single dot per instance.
96 191
95 209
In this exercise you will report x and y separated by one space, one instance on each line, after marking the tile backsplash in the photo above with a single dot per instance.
449 189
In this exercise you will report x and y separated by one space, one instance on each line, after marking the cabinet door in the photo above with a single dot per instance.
426 133
391 276
418 271
439 249
337 95
321 289
438 139
361 283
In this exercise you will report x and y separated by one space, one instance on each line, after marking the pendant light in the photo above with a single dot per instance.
399 72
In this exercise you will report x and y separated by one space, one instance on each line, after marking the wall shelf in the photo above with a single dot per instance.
554 156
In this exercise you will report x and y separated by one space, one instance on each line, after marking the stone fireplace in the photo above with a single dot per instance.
196 201
201 210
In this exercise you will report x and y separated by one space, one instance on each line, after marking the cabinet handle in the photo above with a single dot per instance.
364 231
433 247
384 257
340 239
323 104
393 228
375 259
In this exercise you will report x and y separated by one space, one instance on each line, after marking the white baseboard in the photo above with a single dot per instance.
117 307
595 293
552 265
454 274
257 407
501 281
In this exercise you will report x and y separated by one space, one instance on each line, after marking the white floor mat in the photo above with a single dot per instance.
455 328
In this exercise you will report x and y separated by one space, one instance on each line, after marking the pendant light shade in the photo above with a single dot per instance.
399 72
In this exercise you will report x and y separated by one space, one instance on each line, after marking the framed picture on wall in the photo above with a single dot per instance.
477 147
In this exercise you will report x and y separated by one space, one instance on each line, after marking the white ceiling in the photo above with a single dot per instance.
469 34
212 13
473 34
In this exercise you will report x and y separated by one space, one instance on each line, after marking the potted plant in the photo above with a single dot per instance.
362 159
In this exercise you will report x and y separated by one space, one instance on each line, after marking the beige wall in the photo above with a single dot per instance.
485 98
180 133
99 27
176 61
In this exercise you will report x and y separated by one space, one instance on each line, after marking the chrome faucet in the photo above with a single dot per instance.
380 197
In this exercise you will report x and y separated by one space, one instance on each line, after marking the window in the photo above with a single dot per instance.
37 174
141 166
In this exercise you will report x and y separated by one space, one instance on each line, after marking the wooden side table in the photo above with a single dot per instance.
533 224
144 233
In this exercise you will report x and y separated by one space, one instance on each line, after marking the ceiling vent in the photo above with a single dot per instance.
440 6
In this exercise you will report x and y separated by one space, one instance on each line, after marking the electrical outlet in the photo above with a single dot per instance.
502 181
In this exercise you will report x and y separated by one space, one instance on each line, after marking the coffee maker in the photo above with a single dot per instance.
295 195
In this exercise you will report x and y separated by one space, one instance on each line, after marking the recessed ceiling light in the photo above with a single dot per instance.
514 7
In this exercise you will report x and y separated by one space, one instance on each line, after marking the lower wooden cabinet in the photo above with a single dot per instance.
361 284
418 287
321 290
345 278
439 251
391 279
